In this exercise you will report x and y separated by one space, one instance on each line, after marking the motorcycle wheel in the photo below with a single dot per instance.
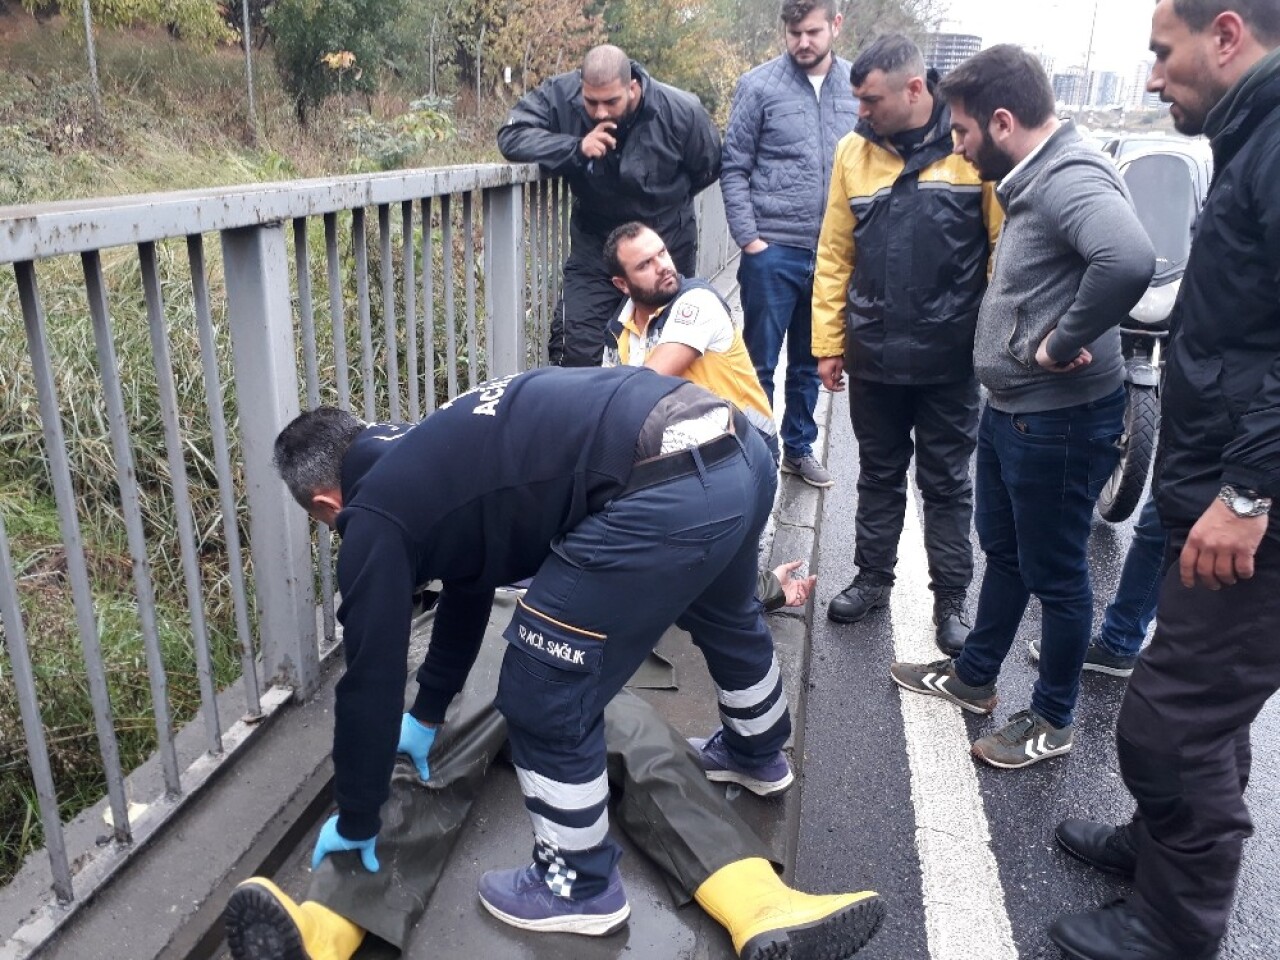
1137 445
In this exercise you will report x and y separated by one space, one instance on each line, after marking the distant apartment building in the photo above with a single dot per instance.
1070 86
946 51
1135 95
1104 88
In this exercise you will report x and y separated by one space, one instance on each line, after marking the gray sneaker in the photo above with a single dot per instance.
938 679
1097 659
1026 739
808 469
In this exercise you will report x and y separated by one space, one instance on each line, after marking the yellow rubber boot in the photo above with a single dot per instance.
263 923
767 919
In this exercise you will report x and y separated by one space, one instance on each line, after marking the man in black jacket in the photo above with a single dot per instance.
1183 732
631 148
605 486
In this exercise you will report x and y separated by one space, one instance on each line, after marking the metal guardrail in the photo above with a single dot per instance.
382 293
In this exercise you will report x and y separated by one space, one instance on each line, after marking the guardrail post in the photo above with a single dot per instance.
504 277
267 388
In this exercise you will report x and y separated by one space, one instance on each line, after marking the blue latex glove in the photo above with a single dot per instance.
415 743
331 841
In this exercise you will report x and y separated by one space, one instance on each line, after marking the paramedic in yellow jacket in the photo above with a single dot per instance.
902 266
679 326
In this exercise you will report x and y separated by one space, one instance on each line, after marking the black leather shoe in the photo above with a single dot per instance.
953 627
1116 932
857 600
1100 845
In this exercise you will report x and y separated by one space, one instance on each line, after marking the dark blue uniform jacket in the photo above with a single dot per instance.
473 496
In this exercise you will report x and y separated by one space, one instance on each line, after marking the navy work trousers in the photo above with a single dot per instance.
1038 478
682 551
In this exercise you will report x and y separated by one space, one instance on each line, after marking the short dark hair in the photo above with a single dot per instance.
1261 16
309 451
1003 77
892 53
628 231
604 64
793 11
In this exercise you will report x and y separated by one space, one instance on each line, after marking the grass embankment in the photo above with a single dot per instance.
174 118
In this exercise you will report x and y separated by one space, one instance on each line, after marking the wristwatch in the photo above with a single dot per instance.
1244 503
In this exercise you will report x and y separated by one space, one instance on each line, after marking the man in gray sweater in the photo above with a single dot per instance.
1072 260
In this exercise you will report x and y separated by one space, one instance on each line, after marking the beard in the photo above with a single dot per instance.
658 295
992 162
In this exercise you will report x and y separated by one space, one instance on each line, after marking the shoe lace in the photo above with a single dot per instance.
1020 725
949 606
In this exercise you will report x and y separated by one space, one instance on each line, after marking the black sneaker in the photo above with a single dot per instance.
858 599
952 624
1100 845
1097 659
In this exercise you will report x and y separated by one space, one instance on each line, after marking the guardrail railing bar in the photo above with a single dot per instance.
469 279
222 468
69 524
450 313
388 274
409 258
32 725
311 365
161 358
428 308
336 310
360 241
131 507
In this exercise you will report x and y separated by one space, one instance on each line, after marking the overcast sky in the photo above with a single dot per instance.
1061 27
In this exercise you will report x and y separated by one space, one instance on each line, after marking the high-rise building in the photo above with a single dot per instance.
946 51
1070 87
1137 97
1104 88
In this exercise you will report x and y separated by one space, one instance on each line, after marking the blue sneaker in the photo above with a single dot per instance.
522 898
769 778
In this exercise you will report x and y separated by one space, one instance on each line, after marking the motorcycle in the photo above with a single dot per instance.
1168 185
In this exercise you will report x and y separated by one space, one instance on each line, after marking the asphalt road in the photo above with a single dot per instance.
890 799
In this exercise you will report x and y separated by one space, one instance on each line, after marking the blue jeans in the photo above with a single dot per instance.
777 291
1129 614
1038 478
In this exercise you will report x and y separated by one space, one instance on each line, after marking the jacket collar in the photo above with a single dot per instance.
1238 114
937 142
1057 141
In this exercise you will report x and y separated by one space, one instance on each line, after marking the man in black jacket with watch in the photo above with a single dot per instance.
1183 732
630 148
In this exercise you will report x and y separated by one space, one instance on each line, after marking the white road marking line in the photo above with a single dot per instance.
965 912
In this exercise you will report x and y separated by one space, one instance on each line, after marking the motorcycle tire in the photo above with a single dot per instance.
1137 446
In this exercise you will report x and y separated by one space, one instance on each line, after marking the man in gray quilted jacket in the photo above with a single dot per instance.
788 114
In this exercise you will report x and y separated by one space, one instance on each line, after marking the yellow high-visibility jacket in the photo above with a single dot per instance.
903 259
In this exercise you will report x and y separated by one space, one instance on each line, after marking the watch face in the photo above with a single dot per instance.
1243 505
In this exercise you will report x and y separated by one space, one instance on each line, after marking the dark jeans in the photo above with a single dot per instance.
1183 742
1130 612
682 551
664 803
589 300
944 419
1038 478
777 293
